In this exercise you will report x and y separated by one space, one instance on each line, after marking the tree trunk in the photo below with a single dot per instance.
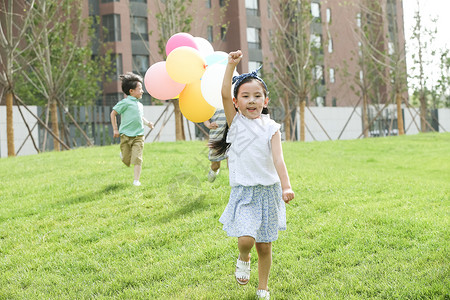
287 118
423 113
365 116
179 128
401 129
302 119
55 127
10 124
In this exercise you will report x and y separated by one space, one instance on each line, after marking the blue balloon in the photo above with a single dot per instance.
218 57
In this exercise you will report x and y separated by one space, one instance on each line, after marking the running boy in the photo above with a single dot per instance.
132 123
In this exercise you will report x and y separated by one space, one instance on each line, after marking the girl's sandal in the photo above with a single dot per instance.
262 294
242 272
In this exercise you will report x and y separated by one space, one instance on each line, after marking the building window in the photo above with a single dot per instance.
332 79
316 40
139 28
251 7
320 101
222 3
318 74
328 15
253 38
94 8
330 45
209 33
208 4
391 48
117 67
334 101
269 9
253 65
112 25
140 64
271 39
358 20
315 10
106 1
223 33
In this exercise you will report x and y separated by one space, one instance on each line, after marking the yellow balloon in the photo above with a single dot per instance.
192 104
185 65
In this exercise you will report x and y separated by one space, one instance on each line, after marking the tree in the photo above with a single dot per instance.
423 39
62 71
396 58
386 54
173 16
370 81
14 20
444 80
294 59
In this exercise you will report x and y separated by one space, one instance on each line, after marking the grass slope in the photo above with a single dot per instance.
370 221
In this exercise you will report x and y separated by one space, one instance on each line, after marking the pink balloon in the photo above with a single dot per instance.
180 39
159 84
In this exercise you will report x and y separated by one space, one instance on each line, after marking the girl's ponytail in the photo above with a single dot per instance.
221 146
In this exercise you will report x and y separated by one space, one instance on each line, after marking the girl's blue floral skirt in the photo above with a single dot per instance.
257 211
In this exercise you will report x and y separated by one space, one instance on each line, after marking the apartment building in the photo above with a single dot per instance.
132 35
247 25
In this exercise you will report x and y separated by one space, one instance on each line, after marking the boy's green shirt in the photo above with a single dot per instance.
131 112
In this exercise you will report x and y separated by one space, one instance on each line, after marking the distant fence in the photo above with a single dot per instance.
93 120
322 123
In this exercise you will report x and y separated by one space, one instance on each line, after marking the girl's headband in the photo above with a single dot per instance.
237 80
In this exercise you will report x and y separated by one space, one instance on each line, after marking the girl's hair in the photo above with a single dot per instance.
221 146
129 82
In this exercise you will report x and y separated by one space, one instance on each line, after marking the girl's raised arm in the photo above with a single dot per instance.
227 98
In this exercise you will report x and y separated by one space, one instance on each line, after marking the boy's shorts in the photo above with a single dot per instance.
132 148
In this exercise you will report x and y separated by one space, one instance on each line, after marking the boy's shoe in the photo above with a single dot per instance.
136 183
212 175
262 294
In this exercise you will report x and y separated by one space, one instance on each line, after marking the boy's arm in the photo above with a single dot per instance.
233 59
114 123
280 166
147 123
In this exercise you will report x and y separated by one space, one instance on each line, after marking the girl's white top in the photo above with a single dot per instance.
250 159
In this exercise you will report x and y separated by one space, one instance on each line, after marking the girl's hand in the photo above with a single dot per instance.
213 125
288 195
234 57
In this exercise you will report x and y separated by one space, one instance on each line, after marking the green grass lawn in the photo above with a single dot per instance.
370 221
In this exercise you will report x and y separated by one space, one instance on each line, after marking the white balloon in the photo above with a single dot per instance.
204 46
211 84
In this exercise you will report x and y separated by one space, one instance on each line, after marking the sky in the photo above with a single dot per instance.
429 9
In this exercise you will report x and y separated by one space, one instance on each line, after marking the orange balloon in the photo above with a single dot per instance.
192 104
185 65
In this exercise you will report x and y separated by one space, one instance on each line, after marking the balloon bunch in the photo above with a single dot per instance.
194 72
